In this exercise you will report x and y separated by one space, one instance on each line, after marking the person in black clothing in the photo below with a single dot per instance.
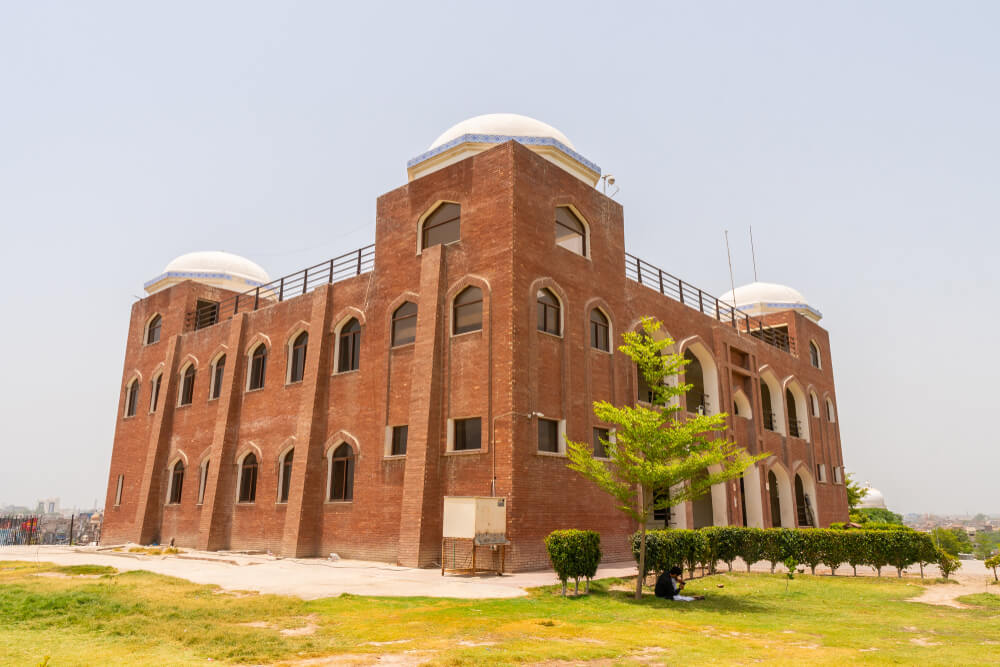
669 585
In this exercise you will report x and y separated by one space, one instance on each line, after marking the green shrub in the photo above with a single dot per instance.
947 563
574 554
993 563
724 543
752 546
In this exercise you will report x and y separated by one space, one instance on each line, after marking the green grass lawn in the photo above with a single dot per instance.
92 615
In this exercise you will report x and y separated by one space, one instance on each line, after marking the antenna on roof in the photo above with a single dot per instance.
732 282
753 255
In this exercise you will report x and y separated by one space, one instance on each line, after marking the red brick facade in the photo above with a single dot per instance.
501 374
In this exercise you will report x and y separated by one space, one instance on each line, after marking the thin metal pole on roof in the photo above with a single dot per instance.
753 254
732 281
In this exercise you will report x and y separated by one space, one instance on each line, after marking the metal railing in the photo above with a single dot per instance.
671 286
296 284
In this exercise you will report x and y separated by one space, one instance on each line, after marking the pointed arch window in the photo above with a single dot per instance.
218 372
350 346
570 232
248 478
814 358
297 358
467 312
342 473
286 476
153 330
600 331
187 386
176 482
131 398
548 312
258 368
442 226
404 324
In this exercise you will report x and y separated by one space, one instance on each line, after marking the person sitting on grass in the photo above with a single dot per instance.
669 585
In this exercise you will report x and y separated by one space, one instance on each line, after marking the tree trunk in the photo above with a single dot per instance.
899 573
586 586
576 587
855 570
921 570
564 588
748 568
642 558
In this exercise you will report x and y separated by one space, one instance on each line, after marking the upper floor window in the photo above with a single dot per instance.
548 312
814 404
831 416
814 357
342 473
176 482
131 398
218 371
600 331
202 481
187 386
297 358
404 324
467 313
548 435
286 476
441 226
153 330
601 438
248 479
350 346
468 434
154 397
398 444
118 490
258 367
570 232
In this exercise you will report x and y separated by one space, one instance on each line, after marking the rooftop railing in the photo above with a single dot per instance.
671 286
296 284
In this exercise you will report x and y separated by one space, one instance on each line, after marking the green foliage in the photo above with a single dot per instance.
574 554
877 515
986 543
724 543
667 548
752 545
993 563
790 564
947 563
952 540
855 492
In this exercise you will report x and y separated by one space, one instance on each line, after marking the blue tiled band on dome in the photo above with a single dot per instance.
499 139
194 275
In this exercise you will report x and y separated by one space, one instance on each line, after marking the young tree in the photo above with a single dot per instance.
657 460
855 492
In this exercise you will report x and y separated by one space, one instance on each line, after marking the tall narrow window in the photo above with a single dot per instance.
441 226
601 437
814 354
153 330
467 313
258 367
548 312
830 415
765 404
297 358
131 398
399 435
599 331
118 490
548 435
202 482
350 346
154 398
467 434
206 313
570 232
342 473
694 375
187 385
286 476
794 428
176 482
814 403
218 371
248 478
404 324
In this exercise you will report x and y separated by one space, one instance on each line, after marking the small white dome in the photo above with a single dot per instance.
872 500
214 267
762 298
502 124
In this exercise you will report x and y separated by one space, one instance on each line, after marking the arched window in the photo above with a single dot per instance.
248 478
187 386
258 368
154 393
467 313
342 473
830 415
153 330
285 480
695 376
441 226
350 346
218 371
297 358
176 482
131 398
814 357
404 324
202 481
772 486
794 428
814 403
802 504
765 406
570 232
600 331
548 312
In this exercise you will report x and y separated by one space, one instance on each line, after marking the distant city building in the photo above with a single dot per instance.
332 410
48 506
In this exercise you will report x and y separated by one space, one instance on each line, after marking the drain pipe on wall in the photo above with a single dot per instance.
493 442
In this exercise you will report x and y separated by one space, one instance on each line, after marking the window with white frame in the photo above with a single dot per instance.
176 483
154 394
285 475
218 373
118 490
202 481
258 368
186 394
131 397
248 479
341 486
153 330
297 358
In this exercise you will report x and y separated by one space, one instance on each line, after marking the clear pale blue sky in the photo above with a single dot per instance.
860 139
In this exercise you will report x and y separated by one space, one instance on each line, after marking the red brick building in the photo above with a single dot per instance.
333 409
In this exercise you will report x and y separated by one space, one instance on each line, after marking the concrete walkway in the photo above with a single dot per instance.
307 578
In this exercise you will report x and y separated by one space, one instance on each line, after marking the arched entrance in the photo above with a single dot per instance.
780 499
805 496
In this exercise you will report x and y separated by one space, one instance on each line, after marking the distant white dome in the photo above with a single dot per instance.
481 133
503 124
872 500
762 298
214 267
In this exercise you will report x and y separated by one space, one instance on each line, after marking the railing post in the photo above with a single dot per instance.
701 302
660 273
638 269
359 262
256 297
305 280
281 290
680 289
331 272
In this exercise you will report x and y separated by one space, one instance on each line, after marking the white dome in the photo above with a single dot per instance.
502 124
214 267
872 500
762 298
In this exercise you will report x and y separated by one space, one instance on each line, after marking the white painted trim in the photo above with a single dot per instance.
423 218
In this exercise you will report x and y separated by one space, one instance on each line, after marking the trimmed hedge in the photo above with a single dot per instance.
574 554
810 546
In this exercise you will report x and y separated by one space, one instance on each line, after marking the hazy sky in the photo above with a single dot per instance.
860 139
